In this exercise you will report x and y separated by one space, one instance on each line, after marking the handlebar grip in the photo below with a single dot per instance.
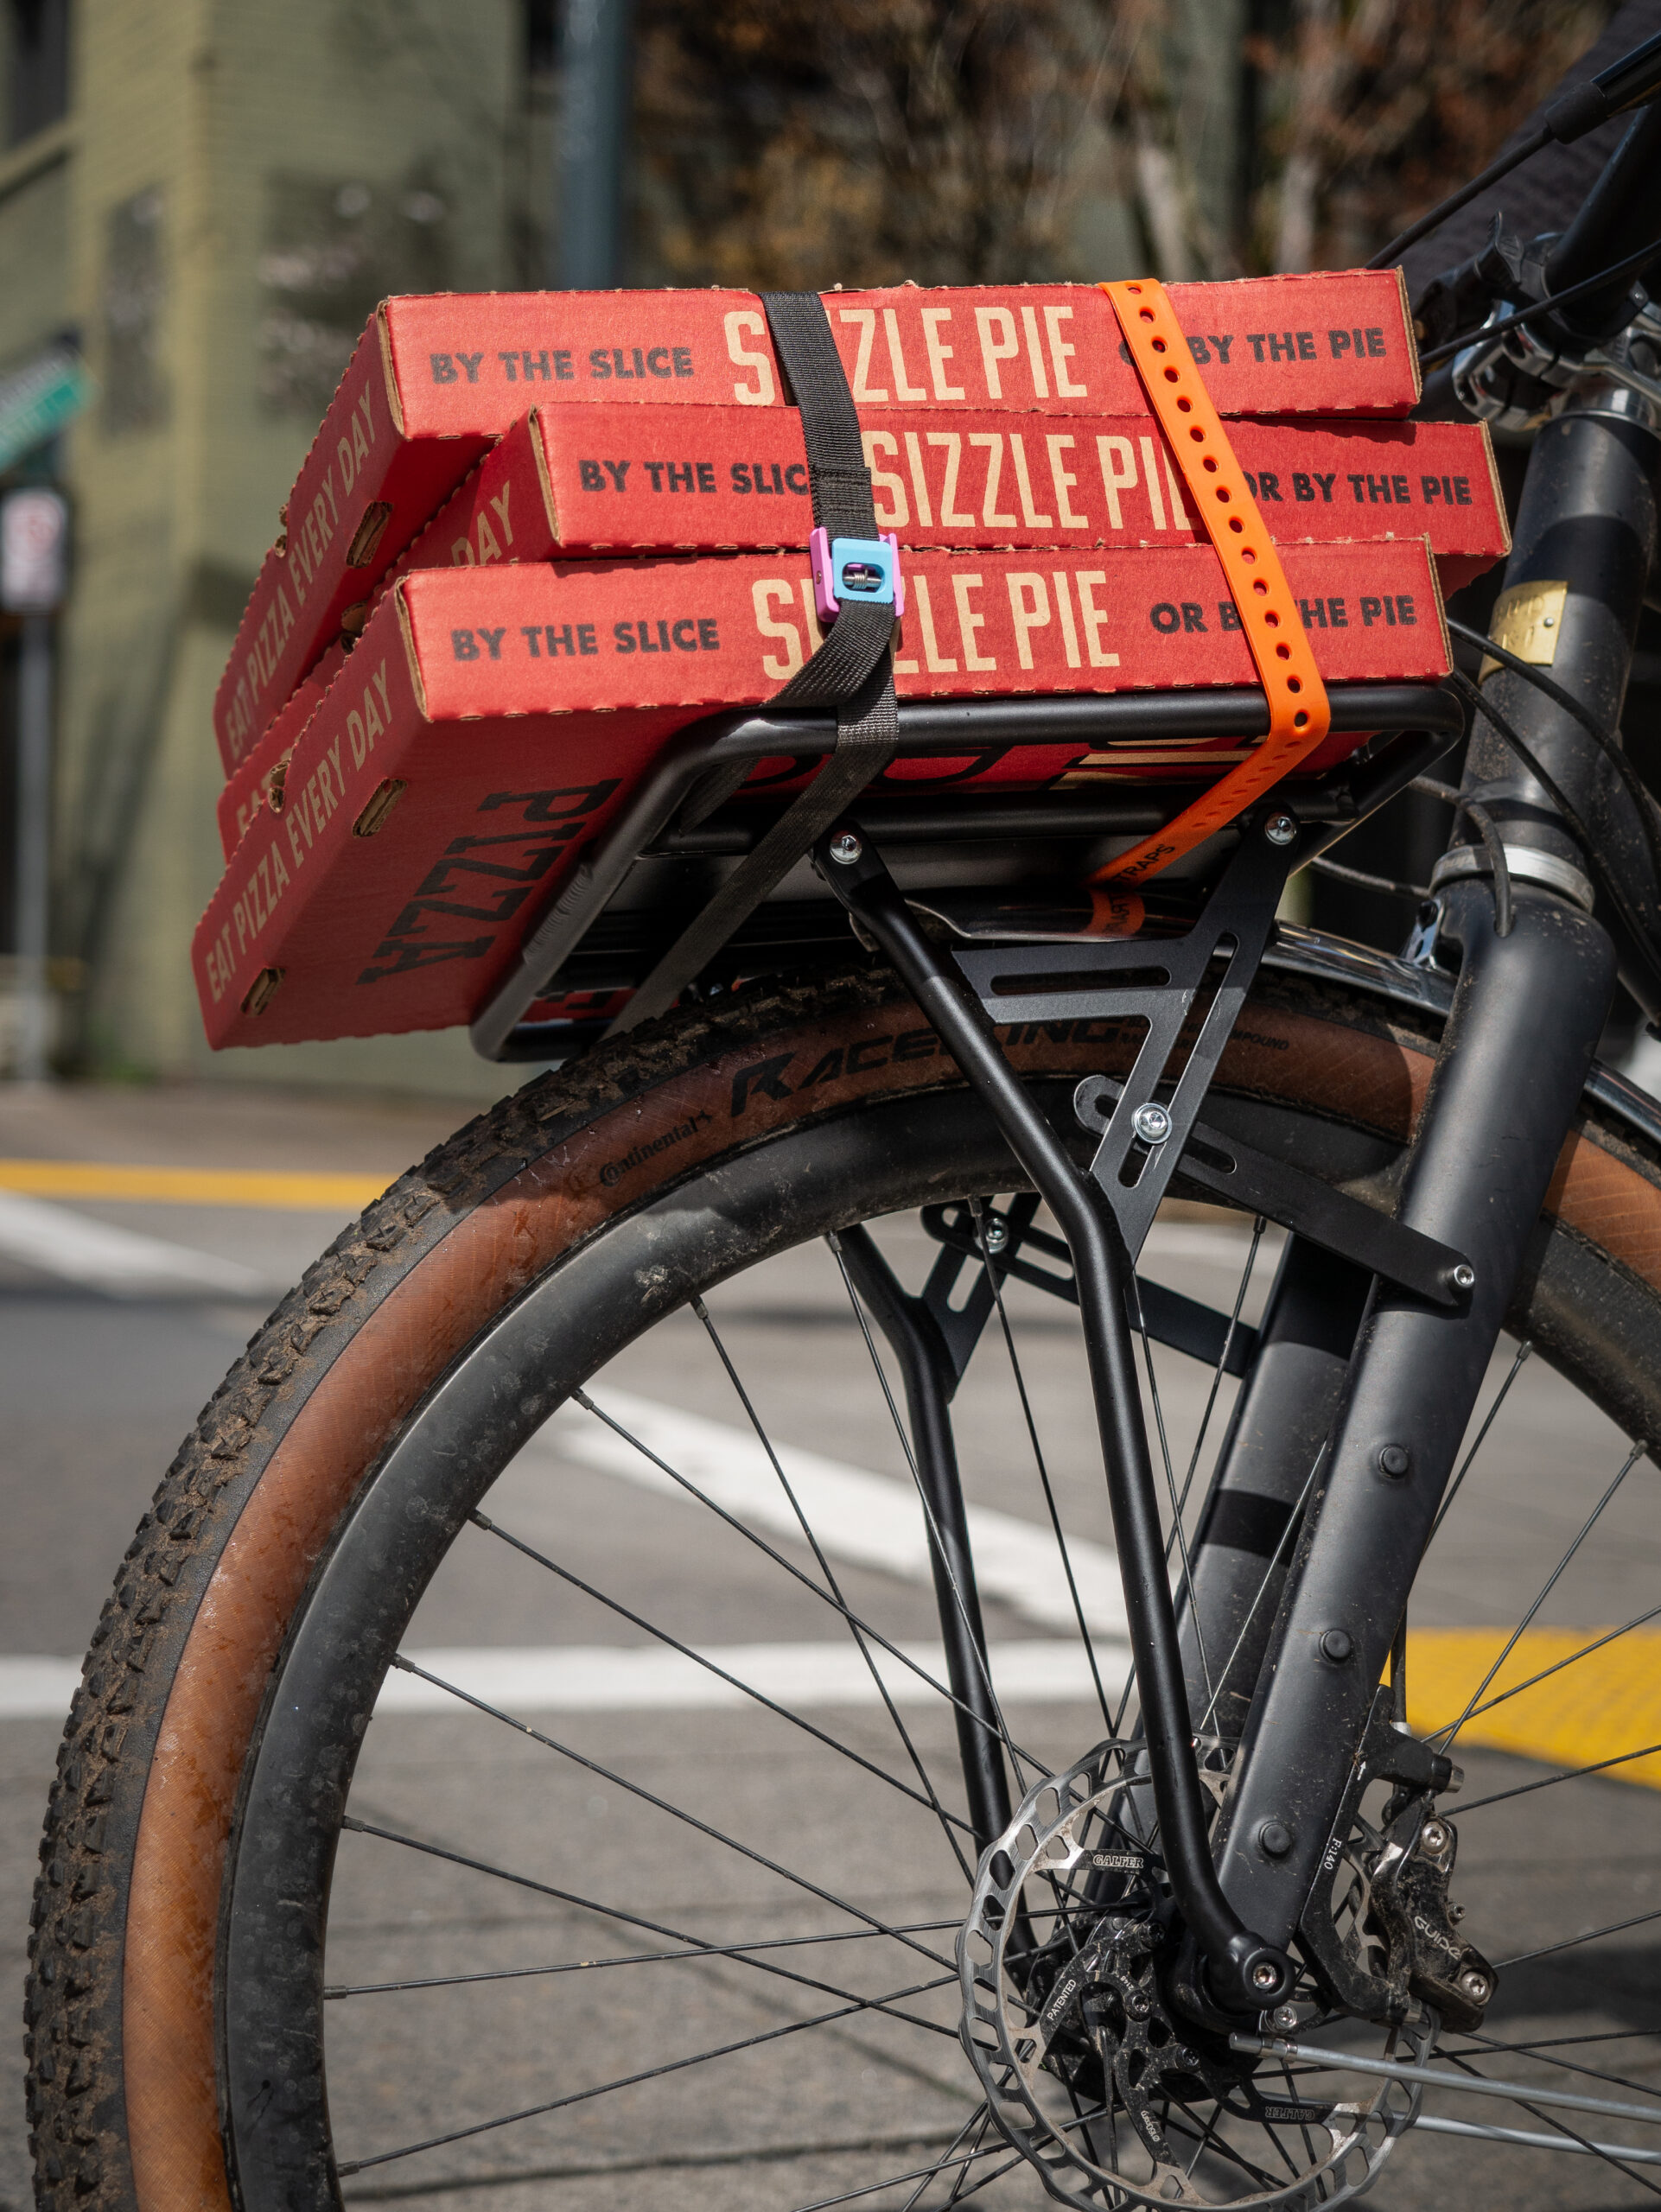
1627 83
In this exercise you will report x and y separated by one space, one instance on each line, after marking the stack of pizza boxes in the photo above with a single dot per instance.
538 533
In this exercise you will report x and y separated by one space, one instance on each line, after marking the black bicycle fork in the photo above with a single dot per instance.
1527 1014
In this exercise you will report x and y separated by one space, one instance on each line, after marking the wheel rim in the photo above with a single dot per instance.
991 1176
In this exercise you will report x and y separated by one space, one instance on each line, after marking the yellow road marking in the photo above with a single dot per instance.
1601 1707
191 1186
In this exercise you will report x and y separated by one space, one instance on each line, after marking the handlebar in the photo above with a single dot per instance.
1628 82
1620 215
1625 84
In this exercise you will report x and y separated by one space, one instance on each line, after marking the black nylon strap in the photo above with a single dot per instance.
852 670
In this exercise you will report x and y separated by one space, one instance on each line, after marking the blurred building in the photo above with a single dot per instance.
207 198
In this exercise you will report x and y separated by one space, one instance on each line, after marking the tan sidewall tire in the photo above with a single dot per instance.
122 2000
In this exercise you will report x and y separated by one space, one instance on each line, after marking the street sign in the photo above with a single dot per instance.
34 550
39 399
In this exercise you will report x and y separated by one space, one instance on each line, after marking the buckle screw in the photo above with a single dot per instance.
1284 2017
995 1235
845 847
1393 1461
1151 1123
1336 1645
1281 830
1276 1839
1464 1276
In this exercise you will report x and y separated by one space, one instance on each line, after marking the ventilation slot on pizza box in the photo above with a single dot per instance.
379 805
368 536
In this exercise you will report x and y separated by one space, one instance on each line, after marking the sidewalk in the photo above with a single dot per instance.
184 1190
226 1125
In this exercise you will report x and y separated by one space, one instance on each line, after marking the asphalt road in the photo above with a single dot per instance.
103 1373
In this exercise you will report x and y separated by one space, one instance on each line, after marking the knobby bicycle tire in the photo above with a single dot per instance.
837 1097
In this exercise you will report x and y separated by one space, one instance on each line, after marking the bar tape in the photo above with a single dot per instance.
852 670
1300 713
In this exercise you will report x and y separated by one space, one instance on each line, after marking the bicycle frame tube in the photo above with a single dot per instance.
1586 536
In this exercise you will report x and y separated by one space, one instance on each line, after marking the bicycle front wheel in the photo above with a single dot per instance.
523 1745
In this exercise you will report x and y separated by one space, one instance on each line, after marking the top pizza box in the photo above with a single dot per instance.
436 379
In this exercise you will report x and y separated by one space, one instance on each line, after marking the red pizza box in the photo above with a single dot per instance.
615 479
250 788
437 377
491 720
626 479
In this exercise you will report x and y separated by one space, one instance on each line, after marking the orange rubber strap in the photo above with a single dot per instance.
1299 712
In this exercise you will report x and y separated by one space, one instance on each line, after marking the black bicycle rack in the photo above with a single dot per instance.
1184 987
1410 727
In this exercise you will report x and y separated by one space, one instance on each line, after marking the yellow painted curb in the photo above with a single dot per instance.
1601 1707
190 1186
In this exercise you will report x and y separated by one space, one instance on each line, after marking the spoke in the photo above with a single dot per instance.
692 1949
883 1643
894 2181
1001 1726
1286 1538
1439 2077
1259 2174
928 2173
1130 1676
1303 2131
696 1947
1258 1228
1574 1659
1550 1781
1200 2147
977 2122
1615 1928
1523 1352
1608 2035
947 1822
1040 1462
662 1805
1551 1582
753 2154
1544 2050
1286 2158
648 2073
1609 2153
1619 2152
688 1651
1178 1535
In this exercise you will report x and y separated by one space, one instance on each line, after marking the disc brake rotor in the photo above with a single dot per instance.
1067 1963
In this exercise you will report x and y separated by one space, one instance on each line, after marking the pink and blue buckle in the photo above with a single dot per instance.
855 568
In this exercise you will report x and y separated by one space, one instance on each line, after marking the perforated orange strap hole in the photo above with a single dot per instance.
1299 712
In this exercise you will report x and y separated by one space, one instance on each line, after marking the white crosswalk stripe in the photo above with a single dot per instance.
77 1249
610 1678
865 1519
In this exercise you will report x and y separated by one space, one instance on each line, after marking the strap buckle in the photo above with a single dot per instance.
858 569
